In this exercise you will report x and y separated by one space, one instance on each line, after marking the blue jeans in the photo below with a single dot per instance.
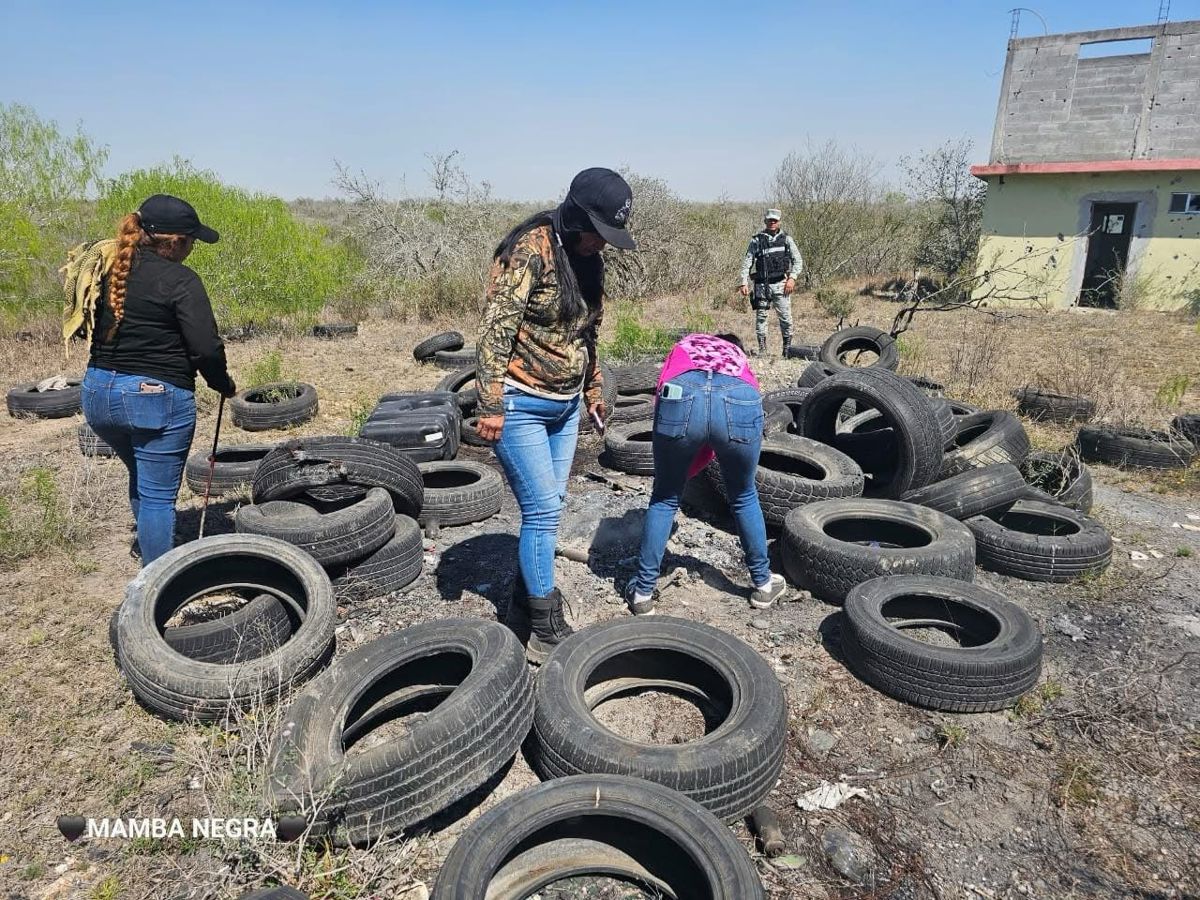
536 448
151 433
726 414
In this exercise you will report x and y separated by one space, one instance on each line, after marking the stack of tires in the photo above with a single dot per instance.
634 397
445 350
609 805
423 426
277 639
352 504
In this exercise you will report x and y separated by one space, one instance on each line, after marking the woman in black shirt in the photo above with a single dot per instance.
154 330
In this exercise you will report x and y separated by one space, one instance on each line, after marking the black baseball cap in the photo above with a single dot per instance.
164 214
608 200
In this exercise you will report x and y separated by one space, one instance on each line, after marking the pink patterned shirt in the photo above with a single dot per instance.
709 354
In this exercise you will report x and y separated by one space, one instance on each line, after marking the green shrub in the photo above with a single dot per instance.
34 518
266 369
631 338
268 269
45 179
835 304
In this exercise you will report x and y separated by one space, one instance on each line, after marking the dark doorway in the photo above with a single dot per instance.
1108 251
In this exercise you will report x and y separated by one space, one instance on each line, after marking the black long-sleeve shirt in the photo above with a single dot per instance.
168 331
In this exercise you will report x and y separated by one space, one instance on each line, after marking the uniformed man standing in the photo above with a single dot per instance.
776 261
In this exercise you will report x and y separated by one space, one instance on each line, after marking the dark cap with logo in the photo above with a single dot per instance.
608 200
164 214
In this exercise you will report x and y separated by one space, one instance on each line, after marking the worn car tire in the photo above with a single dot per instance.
1039 541
459 492
259 627
916 437
393 566
637 378
455 359
814 373
606 825
446 340
793 471
1136 447
468 433
24 401
973 493
630 446
91 444
468 676
728 771
930 387
251 410
632 408
1188 425
804 351
827 546
181 688
334 330
234 469
353 530
1047 406
608 394
777 417
461 383
791 397
303 464
1058 478
984 439
839 346
960 408
999 658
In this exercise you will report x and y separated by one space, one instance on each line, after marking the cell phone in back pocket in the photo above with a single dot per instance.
671 391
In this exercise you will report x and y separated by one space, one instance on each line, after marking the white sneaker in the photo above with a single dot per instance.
639 608
765 596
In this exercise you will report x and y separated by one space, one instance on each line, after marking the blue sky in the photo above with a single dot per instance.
708 96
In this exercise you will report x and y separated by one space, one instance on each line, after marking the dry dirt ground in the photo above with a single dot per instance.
1090 787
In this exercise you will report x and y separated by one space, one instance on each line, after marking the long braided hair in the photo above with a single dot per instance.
580 278
130 238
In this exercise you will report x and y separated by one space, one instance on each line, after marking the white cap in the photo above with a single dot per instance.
772 214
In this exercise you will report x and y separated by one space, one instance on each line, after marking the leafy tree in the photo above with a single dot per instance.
46 178
268 269
950 204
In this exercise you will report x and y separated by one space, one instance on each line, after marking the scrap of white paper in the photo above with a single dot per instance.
828 796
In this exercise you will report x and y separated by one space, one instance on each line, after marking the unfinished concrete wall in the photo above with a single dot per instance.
1056 107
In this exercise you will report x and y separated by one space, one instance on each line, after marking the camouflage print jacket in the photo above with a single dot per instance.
521 339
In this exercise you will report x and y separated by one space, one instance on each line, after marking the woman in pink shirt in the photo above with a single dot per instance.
708 405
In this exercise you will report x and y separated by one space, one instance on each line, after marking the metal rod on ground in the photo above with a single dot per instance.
766 826
212 463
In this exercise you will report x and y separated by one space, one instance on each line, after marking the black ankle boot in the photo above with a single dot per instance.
548 625
516 617
787 345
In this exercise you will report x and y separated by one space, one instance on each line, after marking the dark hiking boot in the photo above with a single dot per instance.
549 626
762 346
787 345
516 617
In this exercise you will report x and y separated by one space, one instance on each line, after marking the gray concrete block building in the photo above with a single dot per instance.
1094 175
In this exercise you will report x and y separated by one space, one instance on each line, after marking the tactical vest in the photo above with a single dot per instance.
772 259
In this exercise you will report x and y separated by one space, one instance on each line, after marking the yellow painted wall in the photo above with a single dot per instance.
1034 237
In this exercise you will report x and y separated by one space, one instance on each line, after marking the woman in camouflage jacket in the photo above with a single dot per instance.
537 365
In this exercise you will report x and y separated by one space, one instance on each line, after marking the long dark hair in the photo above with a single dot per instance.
580 278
